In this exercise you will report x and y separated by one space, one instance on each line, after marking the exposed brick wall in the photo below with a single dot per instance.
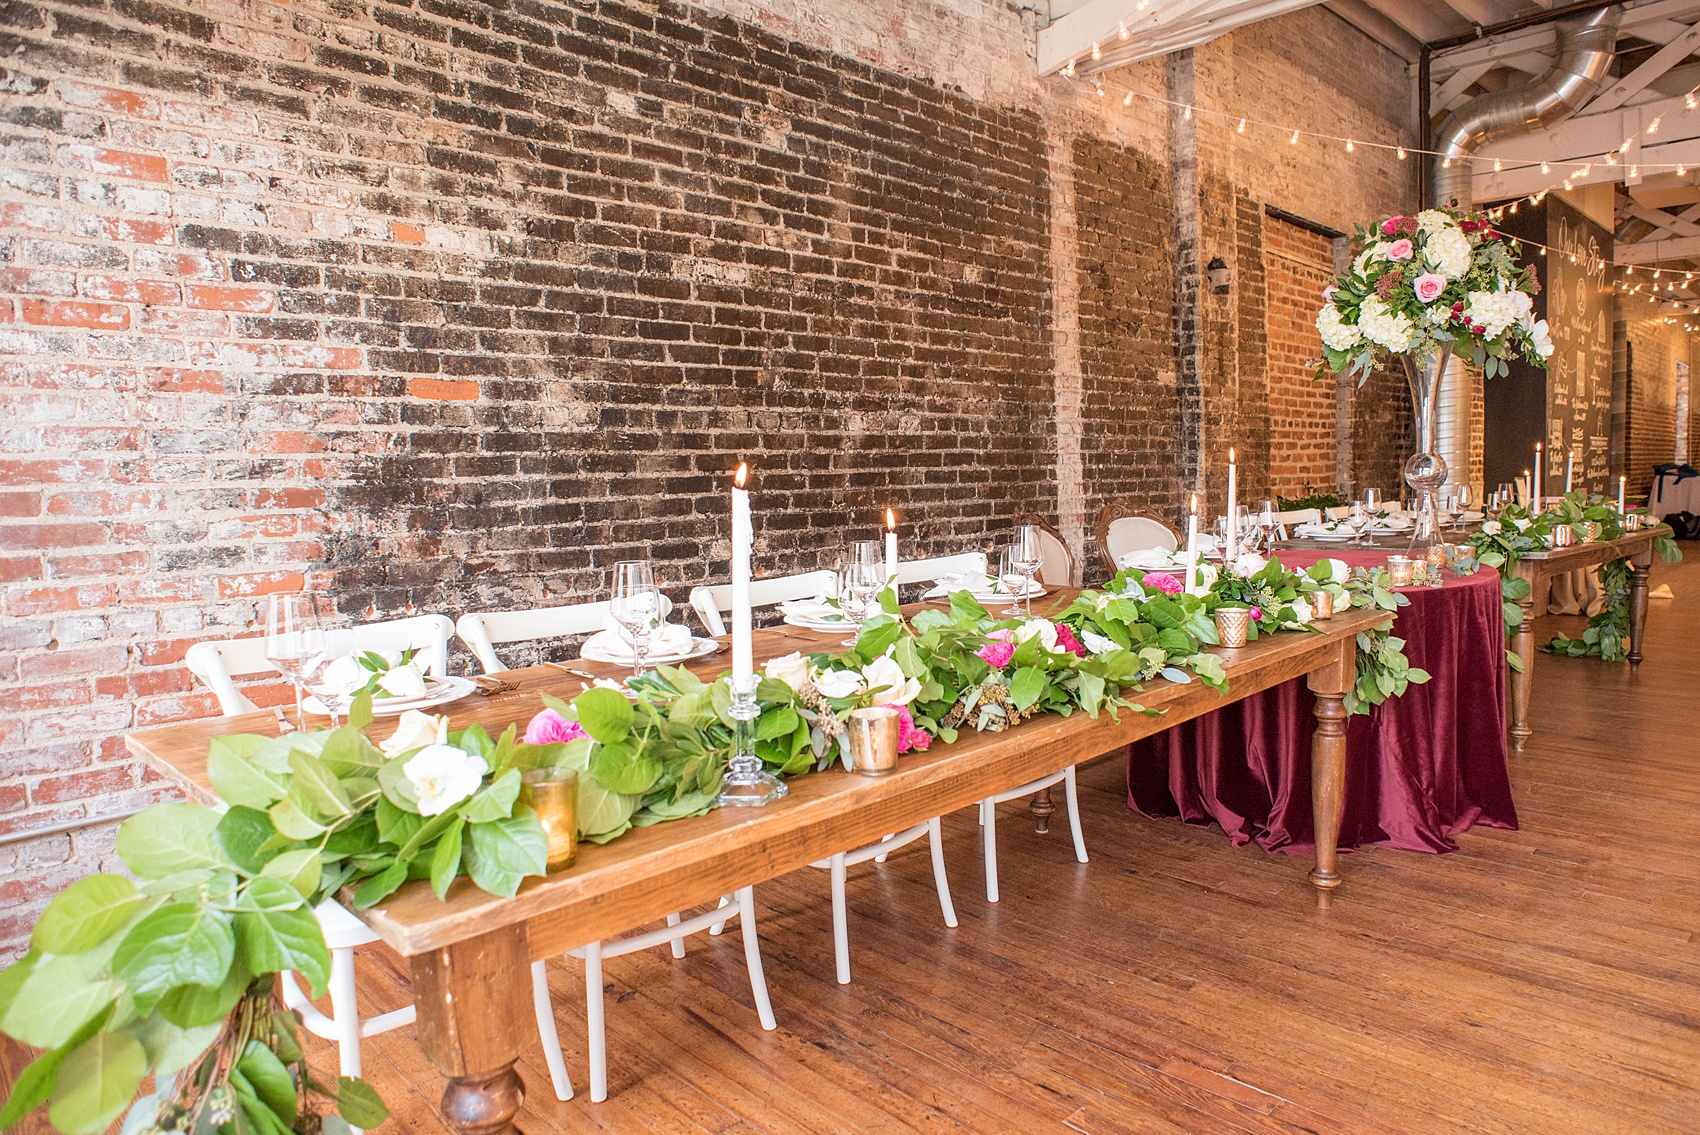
1300 264
1657 342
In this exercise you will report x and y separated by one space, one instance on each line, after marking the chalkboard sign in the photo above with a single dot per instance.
1578 310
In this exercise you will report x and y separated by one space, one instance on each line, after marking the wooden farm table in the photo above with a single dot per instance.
1540 568
470 954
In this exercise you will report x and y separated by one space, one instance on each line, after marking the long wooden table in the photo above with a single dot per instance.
1539 568
470 954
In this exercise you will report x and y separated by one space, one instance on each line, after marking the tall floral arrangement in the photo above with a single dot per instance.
1437 281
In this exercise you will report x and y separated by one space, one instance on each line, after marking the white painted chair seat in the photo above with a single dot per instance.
709 602
989 821
482 631
840 864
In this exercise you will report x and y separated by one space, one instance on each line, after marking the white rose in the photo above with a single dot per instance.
415 730
1096 643
1248 564
1337 570
403 682
1448 252
1541 336
1521 524
792 669
838 683
885 672
1044 629
1301 611
1490 527
1208 574
442 776
343 676
1337 335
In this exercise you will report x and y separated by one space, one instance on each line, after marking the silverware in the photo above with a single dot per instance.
284 725
570 670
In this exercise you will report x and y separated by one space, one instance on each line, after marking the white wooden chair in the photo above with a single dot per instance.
989 821
708 602
740 905
1299 516
927 570
482 630
216 663
841 863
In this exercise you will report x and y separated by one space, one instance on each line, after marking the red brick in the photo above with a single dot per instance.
258 583
40 218
299 497
32 699
107 563
143 683
29 537
82 785
122 289
119 163
40 281
73 313
21 601
165 651
184 707
228 298
405 233
72 662
166 380
49 471
126 230
12 797
16 569
19 504
102 502
175 321
107 99
444 389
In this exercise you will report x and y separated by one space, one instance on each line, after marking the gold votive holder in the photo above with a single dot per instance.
1403 569
1437 556
1563 536
1632 522
553 794
1232 625
873 740
1590 531
1322 605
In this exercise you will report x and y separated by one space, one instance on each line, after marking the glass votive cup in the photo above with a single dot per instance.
1437 557
1563 536
1632 522
553 794
1322 604
1590 531
1402 570
873 740
1233 624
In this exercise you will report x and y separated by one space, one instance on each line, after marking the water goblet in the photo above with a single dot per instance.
636 606
1011 579
1027 555
295 643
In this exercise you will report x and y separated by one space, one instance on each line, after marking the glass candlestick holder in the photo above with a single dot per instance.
746 782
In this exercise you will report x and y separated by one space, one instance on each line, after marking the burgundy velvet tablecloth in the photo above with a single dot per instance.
1419 769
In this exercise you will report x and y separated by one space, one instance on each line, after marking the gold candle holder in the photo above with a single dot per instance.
553 794
873 740
1232 625
1322 605
1590 531
1437 556
1402 569
1563 536
1632 522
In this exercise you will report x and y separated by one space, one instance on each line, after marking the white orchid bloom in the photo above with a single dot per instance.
415 730
442 776
1490 527
1302 611
402 682
1541 335
838 683
1520 523
792 669
885 672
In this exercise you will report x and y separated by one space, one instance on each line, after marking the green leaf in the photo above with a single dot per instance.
359 1103
56 998
776 723
292 822
170 1048
85 914
601 811
279 933
164 839
347 752
495 800
605 714
96 1082
965 606
502 853
445 860
238 782
360 711
270 1080
318 786
36 1082
1026 686
12 978
381 886
300 868
179 944
192 1006
242 835
621 769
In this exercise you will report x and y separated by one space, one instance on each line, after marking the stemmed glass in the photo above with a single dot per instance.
636 606
1462 496
1269 523
860 578
1011 578
1026 556
295 644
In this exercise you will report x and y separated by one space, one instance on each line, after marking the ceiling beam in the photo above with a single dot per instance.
1661 221
1161 29
1422 22
1654 251
1378 27
1655 22
1661 61
1454 89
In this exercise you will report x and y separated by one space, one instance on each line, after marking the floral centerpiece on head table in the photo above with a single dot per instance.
1422 288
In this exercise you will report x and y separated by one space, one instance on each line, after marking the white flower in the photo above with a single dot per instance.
1521 524
1448 252
1337 335
792 669
343 676
1248 564
1490 527
1096 642
1495 311
442 776
1431 221
838 683
1301 611
402 682
1383 326
1524 305
885 672
1338 571
1541 337
415 730
1361 261
1043 629
393 657
1208 574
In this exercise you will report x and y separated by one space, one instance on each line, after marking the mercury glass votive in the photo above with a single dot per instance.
1437 556
1401 569
1563 536
1590 531
873 740
1632 522
1232 625
1322 604
553 794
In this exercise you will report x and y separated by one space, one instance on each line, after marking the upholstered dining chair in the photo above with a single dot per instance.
1057 570
483 631
1127 524
709 602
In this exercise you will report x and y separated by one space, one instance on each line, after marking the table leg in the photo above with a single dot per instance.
1042 806
468 996
1637 608
1328 760
1521 681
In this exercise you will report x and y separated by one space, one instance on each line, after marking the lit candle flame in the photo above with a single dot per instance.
742 476
1193 504
890 520
1230 455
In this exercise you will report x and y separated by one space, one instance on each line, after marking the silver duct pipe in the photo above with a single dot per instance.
1585 48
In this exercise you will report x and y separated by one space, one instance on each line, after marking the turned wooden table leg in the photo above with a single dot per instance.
1637 607
470 997
1328 760
1042 806
1523 646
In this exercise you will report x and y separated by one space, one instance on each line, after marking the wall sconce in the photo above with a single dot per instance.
1219 275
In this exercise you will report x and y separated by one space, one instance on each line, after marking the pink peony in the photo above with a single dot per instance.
1400 249
910 738
1163 582
1428 286
1257 614
549 727
1067 641
999 649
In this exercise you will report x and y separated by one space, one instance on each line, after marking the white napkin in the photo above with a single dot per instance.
672 640
817 610
1322 528
1147 558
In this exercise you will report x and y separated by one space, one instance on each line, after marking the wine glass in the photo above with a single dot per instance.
1011 578
1360 520
1269 523
1463 496
859 582
636 606
1026 555
295 643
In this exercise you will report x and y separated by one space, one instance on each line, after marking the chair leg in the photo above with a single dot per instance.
881 857
752 957
840 933
545 1009
345 1013
1074 815
679 942
989 836
936 839
593 1017
719 926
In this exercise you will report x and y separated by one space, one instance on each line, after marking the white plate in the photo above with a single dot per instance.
700 648
438 691
1332 537
818 624
986 595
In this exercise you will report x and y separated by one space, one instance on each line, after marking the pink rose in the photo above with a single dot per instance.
1428 286
910 738
1257 614
1067 641
1400 249
1390 226
1163 582
549 727
998 651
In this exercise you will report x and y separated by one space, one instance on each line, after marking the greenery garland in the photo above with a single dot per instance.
173 973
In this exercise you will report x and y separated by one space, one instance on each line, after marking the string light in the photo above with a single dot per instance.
1350 146
1634 172
1069 70
1128 99
1122 30
1096 54
1241 130
1690 100
1653 126
1401 153
1188 115
1546 167
1447 163
1294 140
1497 165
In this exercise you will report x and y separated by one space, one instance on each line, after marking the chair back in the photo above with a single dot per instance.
1340 513
1300 516
708 602
1057 568
482 630
925 571
216 663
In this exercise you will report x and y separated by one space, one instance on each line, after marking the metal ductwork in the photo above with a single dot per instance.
1586 46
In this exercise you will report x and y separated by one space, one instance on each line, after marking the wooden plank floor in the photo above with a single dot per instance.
1544 980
